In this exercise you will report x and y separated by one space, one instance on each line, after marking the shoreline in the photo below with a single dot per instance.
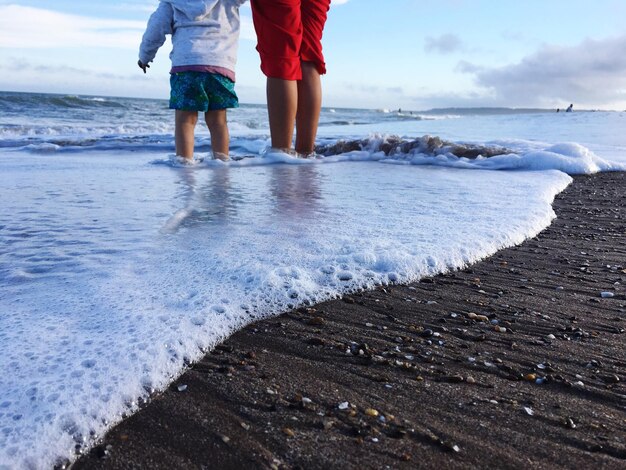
517 360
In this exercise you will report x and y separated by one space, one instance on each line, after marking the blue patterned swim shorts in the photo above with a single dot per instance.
201 91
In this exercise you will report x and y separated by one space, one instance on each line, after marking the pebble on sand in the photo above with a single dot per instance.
477 317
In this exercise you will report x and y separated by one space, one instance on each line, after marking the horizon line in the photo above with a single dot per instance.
430 110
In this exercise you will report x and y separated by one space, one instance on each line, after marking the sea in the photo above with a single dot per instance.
120 266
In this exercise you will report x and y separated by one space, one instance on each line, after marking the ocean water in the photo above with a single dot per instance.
119 266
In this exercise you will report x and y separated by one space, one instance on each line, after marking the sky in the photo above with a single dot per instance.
410 54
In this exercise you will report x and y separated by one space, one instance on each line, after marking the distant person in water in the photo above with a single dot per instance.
570 108
205 37
289 41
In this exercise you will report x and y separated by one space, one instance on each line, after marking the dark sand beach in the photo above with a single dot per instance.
518 361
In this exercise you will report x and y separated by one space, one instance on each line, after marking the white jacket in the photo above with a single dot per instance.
204 32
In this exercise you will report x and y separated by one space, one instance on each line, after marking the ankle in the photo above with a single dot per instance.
221 156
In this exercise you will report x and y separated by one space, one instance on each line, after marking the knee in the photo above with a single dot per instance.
186 118
215 120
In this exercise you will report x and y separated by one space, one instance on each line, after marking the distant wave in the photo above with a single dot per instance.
486 111
71 101
24 137
158 142
383 118
341 123
20 100
447 113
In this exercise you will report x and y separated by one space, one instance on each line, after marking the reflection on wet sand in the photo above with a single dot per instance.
295 190
210 201
215 197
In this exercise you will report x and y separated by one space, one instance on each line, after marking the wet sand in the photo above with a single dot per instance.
517 361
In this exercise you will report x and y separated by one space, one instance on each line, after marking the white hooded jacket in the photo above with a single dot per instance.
204 32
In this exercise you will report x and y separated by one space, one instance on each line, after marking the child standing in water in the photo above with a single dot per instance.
205 37
289 34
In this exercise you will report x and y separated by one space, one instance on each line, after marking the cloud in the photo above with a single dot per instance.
339 2
371 89
444 44
464 66
18 65
23 75
27 27
37 28
592 73
428 99
146 7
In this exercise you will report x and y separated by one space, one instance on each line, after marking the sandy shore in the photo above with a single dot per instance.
518 361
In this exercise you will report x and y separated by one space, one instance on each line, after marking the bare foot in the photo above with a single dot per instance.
220 156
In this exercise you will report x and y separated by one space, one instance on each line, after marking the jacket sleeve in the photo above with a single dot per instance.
159 25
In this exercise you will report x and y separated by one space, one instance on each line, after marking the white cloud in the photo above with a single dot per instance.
444 44
27 27
21 66
592 73
37 28
464 66
60 78
147 7
339 2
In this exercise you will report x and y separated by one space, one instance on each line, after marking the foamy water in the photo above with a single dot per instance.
118 267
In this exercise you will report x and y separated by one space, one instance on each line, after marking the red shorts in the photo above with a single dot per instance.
289 32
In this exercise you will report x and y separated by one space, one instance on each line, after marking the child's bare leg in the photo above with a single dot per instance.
309 106
282 104
218 127
184 134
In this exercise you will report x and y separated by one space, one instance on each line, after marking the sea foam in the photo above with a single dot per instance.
117 272
111 285
570 158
